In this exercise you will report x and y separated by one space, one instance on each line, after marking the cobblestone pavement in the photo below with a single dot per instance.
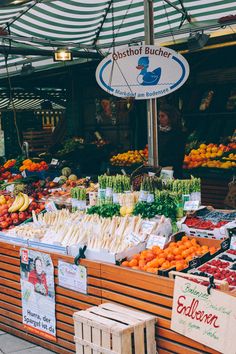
13 345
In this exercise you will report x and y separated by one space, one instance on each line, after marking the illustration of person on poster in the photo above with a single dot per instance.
38 293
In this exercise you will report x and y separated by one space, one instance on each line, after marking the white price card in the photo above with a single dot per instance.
133 239
50 206
72 277
156 240
54 162
191 205
233 243
56 179
10 188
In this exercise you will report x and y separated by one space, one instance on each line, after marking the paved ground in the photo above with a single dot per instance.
14 345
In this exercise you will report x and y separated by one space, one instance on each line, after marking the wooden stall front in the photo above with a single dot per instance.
106 283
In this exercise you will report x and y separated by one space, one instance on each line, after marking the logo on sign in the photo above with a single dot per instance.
142 72
25 257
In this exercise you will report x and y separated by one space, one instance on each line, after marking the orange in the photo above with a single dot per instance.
152 270
170 257
185 253
177 251
178 257
150 256
125 264
156 249
141 263
184 238
161 261
179 267
172 244
162 255
136 256
137 268
133 263
188 244
212 250
166 265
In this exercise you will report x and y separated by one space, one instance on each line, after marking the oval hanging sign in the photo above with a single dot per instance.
142 72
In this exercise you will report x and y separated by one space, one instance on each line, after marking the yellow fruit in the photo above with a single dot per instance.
123 211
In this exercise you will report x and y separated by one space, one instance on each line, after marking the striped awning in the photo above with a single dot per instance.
32 101
89 25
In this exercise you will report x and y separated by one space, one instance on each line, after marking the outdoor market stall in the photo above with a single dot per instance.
145 241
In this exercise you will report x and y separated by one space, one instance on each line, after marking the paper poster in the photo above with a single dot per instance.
38 293
72 276
207 319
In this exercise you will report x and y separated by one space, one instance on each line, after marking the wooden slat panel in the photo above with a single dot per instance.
134 292
132 302
140 280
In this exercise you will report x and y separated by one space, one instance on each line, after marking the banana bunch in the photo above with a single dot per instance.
20 203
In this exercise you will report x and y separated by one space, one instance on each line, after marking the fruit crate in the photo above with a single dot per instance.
222 267
114 329
220 245
219 233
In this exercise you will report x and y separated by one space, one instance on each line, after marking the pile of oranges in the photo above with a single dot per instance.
31 166
177 254
130 157
9 164
208 156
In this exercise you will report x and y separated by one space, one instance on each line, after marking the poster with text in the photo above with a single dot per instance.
207 319
38 293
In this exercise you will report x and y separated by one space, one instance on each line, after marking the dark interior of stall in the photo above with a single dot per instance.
103 124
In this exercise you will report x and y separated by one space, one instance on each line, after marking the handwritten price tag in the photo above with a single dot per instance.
191 205
50 206
133 238
156 240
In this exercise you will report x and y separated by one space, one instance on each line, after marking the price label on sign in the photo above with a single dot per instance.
72 277
233 243
50 206
133 239
56 179
191 205
54 162
10 188
156 240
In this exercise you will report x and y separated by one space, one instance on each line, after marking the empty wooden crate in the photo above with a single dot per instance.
114 329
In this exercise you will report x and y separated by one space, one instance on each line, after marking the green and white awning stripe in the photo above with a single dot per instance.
25 104
76 23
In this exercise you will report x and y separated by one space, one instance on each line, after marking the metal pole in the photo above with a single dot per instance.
152 103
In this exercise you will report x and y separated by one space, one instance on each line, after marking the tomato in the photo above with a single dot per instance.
4 225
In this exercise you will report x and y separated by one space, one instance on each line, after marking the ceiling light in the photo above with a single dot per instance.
197 40
62 54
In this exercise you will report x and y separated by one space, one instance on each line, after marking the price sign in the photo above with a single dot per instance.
191 205
156 240
233 243
23 173
54 162
72 277
56 179
206 318
133 239
10 188
50 206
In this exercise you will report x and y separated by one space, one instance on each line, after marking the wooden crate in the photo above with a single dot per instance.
113 329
